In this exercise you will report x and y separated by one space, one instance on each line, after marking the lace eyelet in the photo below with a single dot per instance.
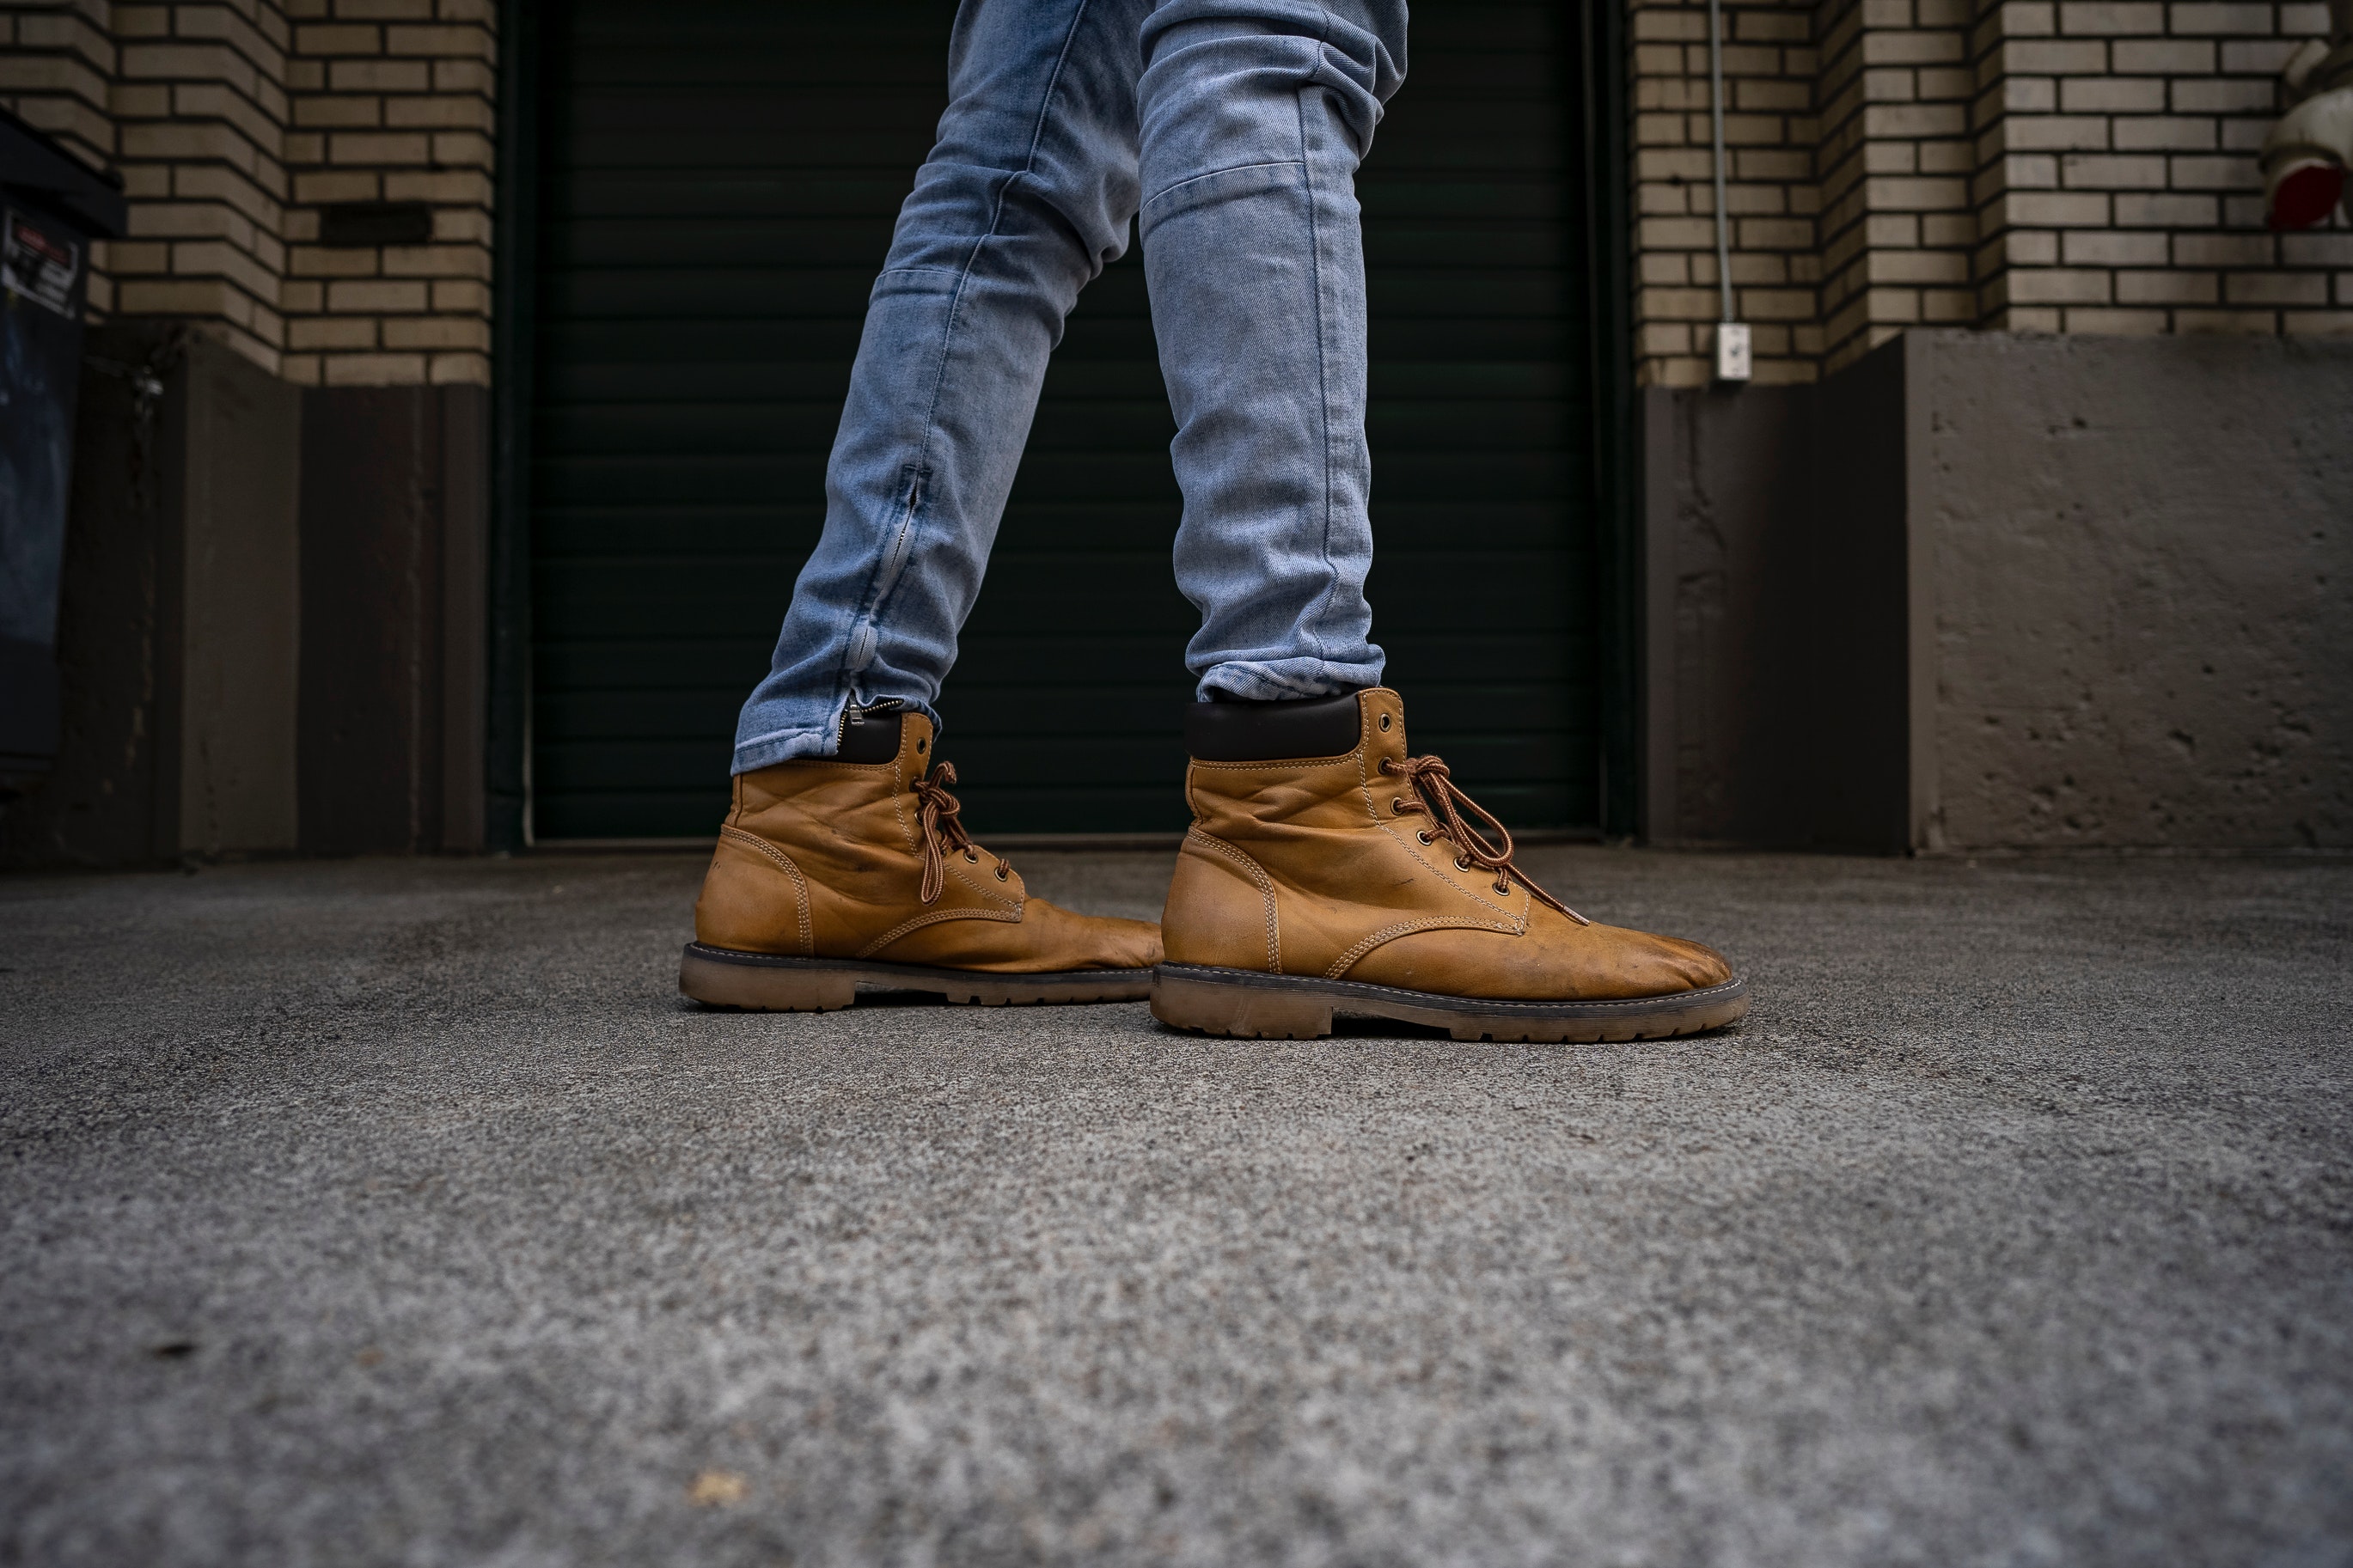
1463 864
972 856
1502 887
1385 722
1001 874
1424 837
1397 807
919 748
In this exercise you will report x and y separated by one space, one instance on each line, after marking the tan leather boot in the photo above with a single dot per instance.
1349 881
837 873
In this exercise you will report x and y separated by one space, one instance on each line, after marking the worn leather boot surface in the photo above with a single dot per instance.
832 874
1367 883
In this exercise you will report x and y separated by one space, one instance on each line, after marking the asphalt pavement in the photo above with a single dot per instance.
399 1211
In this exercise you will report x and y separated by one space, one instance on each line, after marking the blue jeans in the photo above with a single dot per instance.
1233 130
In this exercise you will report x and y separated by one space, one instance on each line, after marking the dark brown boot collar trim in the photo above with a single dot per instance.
1271 732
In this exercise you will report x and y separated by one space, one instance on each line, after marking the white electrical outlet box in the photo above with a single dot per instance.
1731 351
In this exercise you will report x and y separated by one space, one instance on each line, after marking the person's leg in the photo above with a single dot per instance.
1027 195
1328 870
843 864
1253 117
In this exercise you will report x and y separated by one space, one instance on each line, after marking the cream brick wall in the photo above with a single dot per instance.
232 121
393 100
57 70
2061 165
2066 165
2116 177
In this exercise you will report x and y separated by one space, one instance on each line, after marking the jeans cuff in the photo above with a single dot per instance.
785 746
1286 678
796 745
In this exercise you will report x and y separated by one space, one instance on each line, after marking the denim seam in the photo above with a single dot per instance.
1323 374
997 218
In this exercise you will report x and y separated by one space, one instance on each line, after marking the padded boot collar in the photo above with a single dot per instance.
1229 731
869 734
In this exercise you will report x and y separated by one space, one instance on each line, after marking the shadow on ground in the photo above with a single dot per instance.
398 1212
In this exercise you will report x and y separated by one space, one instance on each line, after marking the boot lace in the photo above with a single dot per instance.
942 834
1434 792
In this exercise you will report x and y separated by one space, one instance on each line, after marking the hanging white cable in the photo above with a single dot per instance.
1731 337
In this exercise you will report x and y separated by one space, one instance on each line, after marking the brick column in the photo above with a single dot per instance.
1896 227
393 102
200 115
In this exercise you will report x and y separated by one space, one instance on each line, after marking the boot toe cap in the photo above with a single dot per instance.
1663 965
1129 944
1065 939
1698 966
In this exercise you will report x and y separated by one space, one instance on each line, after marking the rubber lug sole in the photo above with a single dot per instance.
1250 1006
771 983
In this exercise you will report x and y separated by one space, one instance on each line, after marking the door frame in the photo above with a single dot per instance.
507 745
1617 498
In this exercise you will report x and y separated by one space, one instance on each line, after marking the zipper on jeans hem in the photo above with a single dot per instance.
886 575
854 714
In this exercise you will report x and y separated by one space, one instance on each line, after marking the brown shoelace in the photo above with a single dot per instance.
942 834
1434 792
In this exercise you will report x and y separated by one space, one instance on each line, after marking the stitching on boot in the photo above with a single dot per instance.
899 809
1257 874
1364 787
1347 961
933 918
915 847
962 873
784 863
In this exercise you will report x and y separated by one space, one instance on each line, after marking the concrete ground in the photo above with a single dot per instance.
399 1213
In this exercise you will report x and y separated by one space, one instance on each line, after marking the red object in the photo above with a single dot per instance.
2306 194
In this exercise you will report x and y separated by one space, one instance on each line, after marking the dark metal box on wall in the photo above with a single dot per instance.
51 208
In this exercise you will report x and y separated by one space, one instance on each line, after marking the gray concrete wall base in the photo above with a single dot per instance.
178 624
1774 632
111 796
273 622
395 498
2141 562
239 644
1984 590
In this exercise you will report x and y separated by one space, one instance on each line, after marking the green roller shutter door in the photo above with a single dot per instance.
717 191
